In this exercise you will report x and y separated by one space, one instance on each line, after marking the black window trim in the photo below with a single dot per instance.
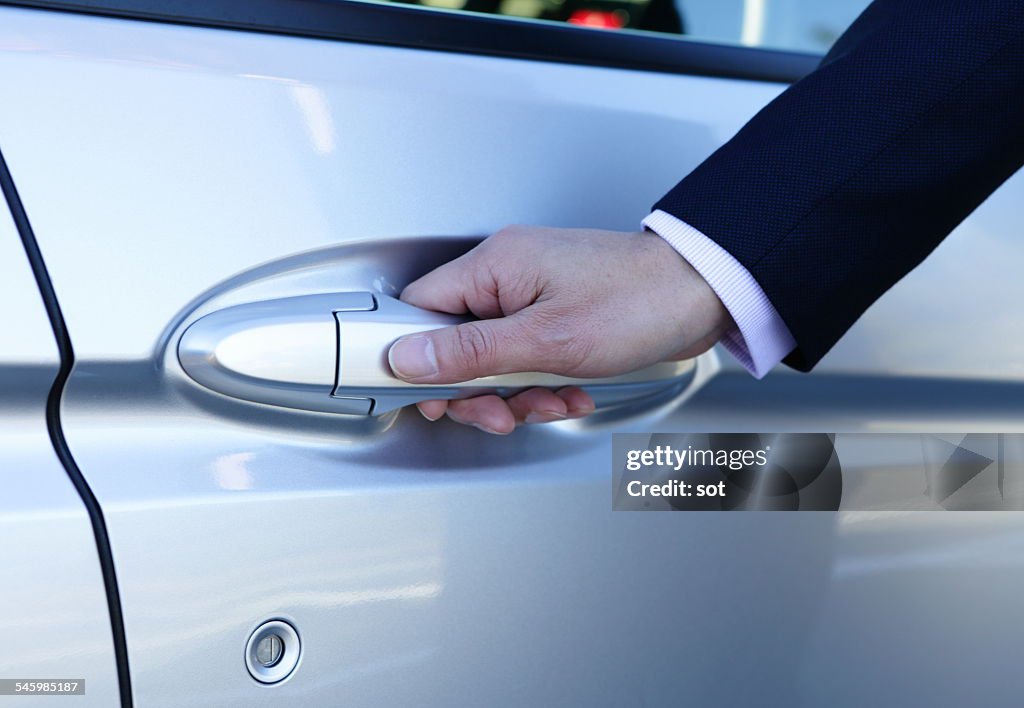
462 32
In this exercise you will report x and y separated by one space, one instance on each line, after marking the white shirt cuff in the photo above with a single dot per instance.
760 339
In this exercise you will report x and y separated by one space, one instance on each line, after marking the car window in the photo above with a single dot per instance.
804 25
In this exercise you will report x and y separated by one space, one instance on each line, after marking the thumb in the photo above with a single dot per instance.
466 351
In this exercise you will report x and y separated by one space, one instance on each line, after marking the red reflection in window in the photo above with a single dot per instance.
597 18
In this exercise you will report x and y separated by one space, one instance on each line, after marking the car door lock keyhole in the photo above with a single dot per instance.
269 650
273 651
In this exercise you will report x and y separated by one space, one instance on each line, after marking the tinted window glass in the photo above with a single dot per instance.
807 25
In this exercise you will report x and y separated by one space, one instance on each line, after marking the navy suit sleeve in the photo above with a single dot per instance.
852 176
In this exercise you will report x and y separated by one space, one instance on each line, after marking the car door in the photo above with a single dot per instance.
176 160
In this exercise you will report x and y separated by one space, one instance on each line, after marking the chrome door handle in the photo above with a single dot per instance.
329 353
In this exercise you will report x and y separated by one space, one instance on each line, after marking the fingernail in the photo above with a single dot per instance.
580 412
423 413
543 417
484 428
413 357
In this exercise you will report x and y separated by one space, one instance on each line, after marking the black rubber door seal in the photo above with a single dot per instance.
53 424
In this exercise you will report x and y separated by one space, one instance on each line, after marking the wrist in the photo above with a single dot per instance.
689 301
759 339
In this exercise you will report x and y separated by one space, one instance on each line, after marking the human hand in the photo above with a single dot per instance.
575 302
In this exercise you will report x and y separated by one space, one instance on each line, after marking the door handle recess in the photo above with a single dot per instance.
328 353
